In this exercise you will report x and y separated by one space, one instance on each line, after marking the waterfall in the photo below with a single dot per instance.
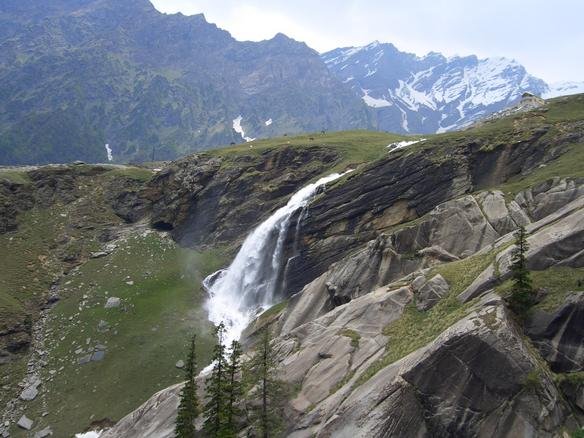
249 284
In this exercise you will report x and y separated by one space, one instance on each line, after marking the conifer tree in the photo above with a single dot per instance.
522 292
267 418
215 408
234 390
188 409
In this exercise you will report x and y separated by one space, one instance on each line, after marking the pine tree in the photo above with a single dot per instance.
234 390
188 409
267 418
215 408
522 292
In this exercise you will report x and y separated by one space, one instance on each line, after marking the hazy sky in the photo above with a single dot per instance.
547 36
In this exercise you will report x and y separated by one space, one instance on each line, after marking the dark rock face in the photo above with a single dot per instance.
470 378
60 184
403 187
388 193
14 198
205 199
131 203
14 340
559 335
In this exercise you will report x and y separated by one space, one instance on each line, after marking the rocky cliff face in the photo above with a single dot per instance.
395 321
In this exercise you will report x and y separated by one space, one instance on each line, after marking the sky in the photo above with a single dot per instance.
546 36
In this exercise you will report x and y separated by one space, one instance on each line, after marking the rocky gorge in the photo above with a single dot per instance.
392 318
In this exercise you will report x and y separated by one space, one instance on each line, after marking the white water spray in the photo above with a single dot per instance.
237 293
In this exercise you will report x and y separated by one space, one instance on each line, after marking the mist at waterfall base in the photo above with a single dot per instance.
249 284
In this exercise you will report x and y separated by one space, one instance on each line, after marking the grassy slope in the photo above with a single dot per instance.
164 307
146 335
559 282
355 147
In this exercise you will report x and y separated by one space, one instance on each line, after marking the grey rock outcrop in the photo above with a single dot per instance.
559 334
430 292
555 240
549 196
155 418
433 391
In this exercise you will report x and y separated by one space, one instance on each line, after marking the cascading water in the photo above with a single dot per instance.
250 282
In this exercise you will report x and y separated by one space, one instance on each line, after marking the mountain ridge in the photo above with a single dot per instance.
151 85
98 80
430 93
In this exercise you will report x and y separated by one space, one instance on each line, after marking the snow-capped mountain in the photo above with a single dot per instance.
563 89
412 94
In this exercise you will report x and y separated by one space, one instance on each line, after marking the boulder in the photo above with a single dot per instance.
43 433
180 364
112 302
103 326
85 359
432 291
30 393
503 217
98 356
25 423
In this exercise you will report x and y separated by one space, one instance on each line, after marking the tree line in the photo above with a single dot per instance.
237 395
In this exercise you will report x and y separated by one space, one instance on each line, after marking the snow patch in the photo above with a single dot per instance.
90 434
403 144
370 72
374 102
108 150
239 129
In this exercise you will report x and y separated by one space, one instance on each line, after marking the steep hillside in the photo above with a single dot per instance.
74 236
78 75
395 322
392 319
412 94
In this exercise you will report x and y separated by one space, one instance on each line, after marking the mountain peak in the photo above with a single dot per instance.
432 93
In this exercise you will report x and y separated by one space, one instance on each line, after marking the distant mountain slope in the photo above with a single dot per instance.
564 88
77 75
412 94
